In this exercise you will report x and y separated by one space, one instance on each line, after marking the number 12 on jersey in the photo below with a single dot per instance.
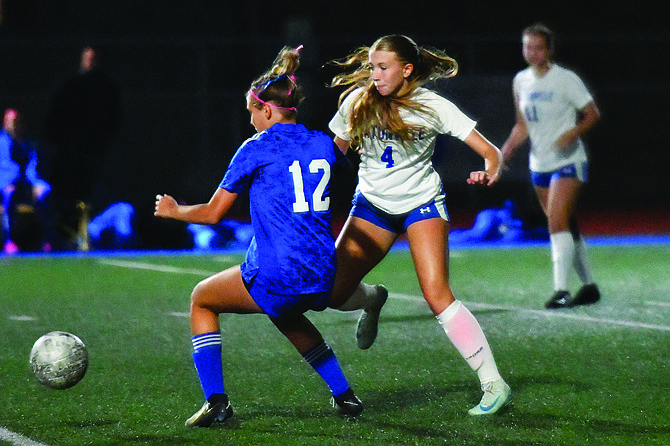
319 202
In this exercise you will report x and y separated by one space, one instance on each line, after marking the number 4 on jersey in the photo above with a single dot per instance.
319 202
387 157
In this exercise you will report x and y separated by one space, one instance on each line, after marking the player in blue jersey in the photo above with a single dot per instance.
290 264
554 109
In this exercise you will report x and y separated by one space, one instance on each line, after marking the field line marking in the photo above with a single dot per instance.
578 317
160 268
558 314
657 304
16 439
406 297
177 270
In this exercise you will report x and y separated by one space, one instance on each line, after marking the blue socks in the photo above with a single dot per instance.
207 360
323 361
208 363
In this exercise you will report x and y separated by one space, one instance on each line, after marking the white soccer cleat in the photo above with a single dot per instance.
368 323
497 395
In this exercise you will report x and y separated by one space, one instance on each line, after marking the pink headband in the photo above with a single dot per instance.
269 104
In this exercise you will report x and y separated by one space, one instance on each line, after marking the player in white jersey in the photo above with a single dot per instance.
553 109
393 122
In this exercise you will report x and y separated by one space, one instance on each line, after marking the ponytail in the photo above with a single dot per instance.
277 86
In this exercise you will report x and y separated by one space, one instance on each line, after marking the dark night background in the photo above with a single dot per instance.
183 68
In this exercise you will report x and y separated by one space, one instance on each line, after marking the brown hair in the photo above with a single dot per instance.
540 29
278 85
371 109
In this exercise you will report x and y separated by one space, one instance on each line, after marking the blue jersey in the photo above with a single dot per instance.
287 170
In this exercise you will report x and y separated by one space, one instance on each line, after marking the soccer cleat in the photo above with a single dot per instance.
497 395
208 414
347 404
587 295
560 299
368 323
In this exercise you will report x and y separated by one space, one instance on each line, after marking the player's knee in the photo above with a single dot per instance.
198 294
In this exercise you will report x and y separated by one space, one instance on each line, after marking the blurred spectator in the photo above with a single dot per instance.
24 209
80 123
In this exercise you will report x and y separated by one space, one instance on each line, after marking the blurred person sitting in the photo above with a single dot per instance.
24 194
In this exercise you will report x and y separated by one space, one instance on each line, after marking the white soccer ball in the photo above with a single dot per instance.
59 360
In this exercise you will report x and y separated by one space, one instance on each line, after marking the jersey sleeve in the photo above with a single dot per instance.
241 169
577 92
339 125
452 120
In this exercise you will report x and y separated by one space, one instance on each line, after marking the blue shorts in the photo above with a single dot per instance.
397 223
544 179
276 305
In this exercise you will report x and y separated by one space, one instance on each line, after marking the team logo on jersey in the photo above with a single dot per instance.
541 96
385 135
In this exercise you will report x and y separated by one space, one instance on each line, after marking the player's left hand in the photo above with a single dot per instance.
165 204
482 177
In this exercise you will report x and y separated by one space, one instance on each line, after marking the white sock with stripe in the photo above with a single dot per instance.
466 334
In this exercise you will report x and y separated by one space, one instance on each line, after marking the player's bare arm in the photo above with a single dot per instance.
590 117
342 144
517 136
492 159
206 213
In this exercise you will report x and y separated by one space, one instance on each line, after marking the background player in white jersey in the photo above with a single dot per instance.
290 265
553 109
393 122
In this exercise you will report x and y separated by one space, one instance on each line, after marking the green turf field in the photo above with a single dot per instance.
587 376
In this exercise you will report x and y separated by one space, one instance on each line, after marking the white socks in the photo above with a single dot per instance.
467 336
567 253
361 298
562 256
581 262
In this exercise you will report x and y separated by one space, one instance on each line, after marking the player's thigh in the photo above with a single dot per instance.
224 292
361 245
542 194
429 249
562 201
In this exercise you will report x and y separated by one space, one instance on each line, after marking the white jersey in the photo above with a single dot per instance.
549 105
398 176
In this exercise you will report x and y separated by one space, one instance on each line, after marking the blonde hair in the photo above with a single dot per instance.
371 110
278 85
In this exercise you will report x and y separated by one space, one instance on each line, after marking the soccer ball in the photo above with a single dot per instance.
59 360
